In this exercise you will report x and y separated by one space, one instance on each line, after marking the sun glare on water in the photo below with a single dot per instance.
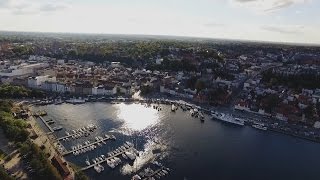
136 116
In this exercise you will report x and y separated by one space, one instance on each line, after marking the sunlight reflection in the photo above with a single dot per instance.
136 116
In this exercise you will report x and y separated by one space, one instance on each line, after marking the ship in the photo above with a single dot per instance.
260 126
58 128
227 118
76 101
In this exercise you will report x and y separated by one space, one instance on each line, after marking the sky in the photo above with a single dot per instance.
295 21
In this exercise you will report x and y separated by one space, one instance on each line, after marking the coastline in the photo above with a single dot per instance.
43 139
191 105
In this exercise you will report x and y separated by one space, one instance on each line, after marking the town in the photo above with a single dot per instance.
279 84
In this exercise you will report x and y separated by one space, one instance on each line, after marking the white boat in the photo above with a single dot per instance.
117 160
124 156
173 108
101 167
259 126
87 162
227 118
110 163
97 168
136 177
75 101
130 155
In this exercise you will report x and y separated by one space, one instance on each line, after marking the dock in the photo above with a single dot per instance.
95 142
46 123
105 160
154 173
70 135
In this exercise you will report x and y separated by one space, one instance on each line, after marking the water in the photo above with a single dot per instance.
191 149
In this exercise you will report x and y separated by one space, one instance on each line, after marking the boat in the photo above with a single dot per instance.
136 177
227 118
58 128
75 101
124 156
260 126
101 167
173 108
130 155
88 162
97 168
110 163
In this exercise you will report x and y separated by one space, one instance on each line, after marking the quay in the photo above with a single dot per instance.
106 159
88 145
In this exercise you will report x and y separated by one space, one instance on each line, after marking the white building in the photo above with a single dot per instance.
36 82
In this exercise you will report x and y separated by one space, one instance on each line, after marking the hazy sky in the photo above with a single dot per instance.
268 20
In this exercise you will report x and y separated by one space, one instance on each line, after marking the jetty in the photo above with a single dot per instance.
88 145
106 159
154 173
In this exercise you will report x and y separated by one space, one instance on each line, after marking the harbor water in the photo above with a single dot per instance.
191 149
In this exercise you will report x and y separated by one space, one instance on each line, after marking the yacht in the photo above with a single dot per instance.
136 177
124 156
260 126
58 128
227 118
97 168
130 155
88 162
101 167
110 163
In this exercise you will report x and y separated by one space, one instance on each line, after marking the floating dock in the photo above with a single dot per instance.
88 145
108 158
70 135
154 173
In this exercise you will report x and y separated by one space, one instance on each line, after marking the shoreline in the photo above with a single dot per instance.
44 139
168 101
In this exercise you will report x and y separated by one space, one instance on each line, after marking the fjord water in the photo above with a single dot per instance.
191 149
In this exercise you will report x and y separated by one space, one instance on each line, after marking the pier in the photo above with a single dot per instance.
70 135
88 145
108 158
154 173
46 123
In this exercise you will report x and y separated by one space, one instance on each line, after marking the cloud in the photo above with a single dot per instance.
289 29
20 7
269 5
214 24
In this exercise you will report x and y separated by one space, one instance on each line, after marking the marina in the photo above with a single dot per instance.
161 132
86 145
109 157
81 132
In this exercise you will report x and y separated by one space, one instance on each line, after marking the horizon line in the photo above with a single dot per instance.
178 36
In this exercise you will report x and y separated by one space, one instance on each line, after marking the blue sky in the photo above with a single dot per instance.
267 20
